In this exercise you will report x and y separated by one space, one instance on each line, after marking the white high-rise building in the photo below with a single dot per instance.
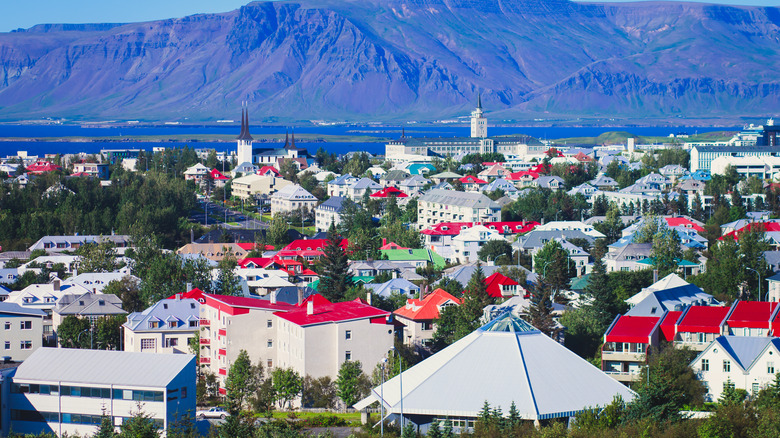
244 140
478 122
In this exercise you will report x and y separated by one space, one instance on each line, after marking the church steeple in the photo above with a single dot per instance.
292 141
244 139
479 100
286 139
245 135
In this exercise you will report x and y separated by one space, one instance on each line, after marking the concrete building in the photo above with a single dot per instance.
469 241
291 198
97 170
41 297
437 206
22 330
329 212
72 243
165 327
247 187
87 305
316 338
626 344
703 156
66 391
419 316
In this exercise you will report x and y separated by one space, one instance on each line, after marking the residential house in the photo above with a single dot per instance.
329 213
389 192
500 286
743 362
318 337
96 281
750 318
359 188
550 182
571 225
523 178
626 344
40 297
417 257
414 184
469 241
373 268
243 169
472 183
393 178
445 176
197 173
437 206
250 186
395 286
493 171
419 316
672 171
441 234
533 241
339 186
584 189
626 257
72 243
22 330
499 184
167 326
655 181
88 305
291 198
67 391
213 251
698 326
96 170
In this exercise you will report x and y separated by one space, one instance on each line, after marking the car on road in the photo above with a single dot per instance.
215 412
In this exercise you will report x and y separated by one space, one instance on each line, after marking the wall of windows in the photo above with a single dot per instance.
35 416
87 391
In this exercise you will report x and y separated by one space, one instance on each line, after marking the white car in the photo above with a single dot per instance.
215 412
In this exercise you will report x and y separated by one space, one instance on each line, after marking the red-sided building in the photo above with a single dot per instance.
626 344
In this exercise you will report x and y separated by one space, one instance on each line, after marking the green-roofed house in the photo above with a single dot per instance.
363 279
419 257
685 267
421 168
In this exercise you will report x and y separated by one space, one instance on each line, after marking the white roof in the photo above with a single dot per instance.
505 361
669 282
102 367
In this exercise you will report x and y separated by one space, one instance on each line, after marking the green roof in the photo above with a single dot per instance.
650 261
399 255
579 283
355 279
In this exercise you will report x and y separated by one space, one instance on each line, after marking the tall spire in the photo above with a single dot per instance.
479 101
286 138
292 141
245 135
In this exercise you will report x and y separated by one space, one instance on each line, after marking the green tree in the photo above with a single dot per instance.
108 332
666 251
139 425
100 257
241 382
352 384
612 225
128 289
277 232
539 311
497 251
227 280
69 331
287 385
106 429
552 261
335 277
319 393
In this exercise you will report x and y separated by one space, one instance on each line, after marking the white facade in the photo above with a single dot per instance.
478 122
290 198
469 241
450 206
21 331
246 187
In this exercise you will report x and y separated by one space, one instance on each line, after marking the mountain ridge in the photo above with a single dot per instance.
398 60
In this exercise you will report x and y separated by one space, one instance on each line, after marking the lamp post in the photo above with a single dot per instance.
382 402
400 384
759 281
78 338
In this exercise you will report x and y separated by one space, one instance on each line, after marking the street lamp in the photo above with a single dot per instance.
78 338
400 383
759 282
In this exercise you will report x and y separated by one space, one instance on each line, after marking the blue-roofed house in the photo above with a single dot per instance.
165 327
671 293
499 184
329 212
421 168
339 186
358 189
743 362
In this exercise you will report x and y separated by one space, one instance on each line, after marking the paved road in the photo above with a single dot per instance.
219 213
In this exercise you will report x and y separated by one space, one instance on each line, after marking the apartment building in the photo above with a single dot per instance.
290 198
66 391
22 330
165 327
438 205
626 344
247 187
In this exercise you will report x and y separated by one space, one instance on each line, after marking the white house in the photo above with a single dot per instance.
438 205
745 362
291 198
22 330
165 327
470 240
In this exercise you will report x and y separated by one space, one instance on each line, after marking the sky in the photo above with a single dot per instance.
26 13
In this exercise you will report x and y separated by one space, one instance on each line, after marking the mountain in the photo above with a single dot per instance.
402 60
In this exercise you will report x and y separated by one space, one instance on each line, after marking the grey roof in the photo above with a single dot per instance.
182 310
89 304
96 281
366 183
505 361
103 367
545 181
414 181
334 203
386 289
461 199
343 180
444 185
638 251
396 175
499 184
6 308
674 299
603 181
745 349
537 238
462 273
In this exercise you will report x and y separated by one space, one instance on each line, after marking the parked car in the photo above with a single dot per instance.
215 412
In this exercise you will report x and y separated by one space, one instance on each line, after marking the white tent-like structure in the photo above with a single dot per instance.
505 361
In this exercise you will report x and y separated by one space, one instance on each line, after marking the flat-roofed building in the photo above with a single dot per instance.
66 391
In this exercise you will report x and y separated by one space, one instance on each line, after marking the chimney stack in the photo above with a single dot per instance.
368 297
56 284
384 241
300 296
177 297
310 308
655 275
189 287
273 297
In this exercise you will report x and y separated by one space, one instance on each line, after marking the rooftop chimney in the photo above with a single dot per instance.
56 284
655 275
300 296
189 287
310 308
273 297
177 297
368 297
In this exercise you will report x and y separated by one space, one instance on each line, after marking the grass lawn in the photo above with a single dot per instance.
350 416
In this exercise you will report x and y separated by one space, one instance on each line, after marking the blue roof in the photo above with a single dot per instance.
744 349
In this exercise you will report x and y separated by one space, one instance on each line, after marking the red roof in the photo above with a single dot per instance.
757 226
702 319
668 324
260 262
494 283
428 307
683 222
217 175
454 228
519 175
195 294
637 329
539 168
268 169
471 179
387 192
582 157
327 312
751 314
311 244
392 245
252 246
41 166
246 302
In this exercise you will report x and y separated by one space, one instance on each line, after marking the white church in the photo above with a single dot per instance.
249 156
424 148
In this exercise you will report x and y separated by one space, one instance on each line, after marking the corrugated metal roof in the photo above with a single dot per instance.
102 367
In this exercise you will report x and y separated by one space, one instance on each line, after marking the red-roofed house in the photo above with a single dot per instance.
269 171
319 336
388 192
231 324
419 316
42 166
471 182
669 323
698 326
750 318
679 221
771 230
626 343
390 245
501 286
255 262
524 178
443 232
311 244
218 178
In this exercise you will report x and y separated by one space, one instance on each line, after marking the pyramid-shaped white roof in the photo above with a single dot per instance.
669 282
505 361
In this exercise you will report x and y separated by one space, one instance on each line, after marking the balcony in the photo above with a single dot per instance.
205 341
623 376
205 360
205 323
222 352
222 332
623 356
222 372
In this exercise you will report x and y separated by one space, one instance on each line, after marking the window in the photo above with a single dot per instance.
25 345
348 334
170 342
7 345
26 325
427 325
726 366
270 343
154 324
8 325
184 392
348 355
770 367
193 323
270 363
148 344
755 388
705 365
